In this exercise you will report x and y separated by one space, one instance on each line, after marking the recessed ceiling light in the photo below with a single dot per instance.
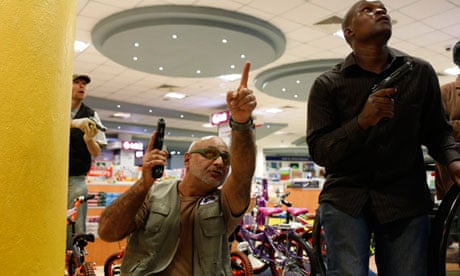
243 56
161 68
175 95
80 46
207 125
339 33
283 89
232 66
136 44
224 41
121 115
198 71
297 81
174 36
230 77
274 110
118 106
296 96
453 71
182 116
135 58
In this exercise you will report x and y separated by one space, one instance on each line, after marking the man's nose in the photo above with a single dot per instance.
380 11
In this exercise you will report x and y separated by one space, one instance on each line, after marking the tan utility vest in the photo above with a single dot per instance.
151 248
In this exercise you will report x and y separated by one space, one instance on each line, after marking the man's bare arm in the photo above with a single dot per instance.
237 187
119 218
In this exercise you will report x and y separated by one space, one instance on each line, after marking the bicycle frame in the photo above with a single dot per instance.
273 247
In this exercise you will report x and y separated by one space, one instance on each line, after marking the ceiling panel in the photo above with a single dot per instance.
422 28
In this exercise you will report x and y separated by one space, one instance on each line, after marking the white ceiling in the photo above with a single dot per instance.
423 28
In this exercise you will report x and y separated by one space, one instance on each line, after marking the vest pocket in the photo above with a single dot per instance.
157 216
213 226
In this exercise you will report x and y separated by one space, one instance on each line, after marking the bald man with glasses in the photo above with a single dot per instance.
181 227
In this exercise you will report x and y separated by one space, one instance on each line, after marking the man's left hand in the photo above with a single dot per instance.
242 102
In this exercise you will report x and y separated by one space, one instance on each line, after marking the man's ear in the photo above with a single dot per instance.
186 159
348 33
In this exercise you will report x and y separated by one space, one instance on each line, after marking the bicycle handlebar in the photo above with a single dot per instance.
72 213
84 198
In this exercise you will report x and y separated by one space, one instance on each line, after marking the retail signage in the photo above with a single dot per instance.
129 145
219 118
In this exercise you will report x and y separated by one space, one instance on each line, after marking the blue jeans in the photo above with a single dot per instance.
76 187
401 247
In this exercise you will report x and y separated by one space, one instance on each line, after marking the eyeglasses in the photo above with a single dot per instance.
213 153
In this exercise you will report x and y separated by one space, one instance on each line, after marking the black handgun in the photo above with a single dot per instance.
393 77
98 124
157 171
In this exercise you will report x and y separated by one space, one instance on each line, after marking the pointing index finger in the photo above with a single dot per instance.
245 75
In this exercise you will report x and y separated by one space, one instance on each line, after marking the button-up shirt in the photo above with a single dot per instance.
382 168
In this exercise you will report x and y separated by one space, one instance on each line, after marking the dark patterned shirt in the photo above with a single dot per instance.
382 168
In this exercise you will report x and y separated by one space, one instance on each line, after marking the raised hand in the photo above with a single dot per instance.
242 102
152 157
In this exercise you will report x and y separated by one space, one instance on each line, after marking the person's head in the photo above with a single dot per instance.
79 86
456 53
366 20
207 161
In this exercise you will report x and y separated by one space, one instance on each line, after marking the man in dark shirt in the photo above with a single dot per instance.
85 142
370 145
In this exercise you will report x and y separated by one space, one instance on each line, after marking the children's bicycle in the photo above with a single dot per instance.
76 265
278 249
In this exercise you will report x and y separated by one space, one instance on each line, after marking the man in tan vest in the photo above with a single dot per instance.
450 93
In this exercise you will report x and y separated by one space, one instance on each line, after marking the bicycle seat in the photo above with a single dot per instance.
85 237
297 211
268 211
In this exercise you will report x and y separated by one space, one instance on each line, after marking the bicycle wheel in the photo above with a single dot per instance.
241 266
112 265
294 256
71 265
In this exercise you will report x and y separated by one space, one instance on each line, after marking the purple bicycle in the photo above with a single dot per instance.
276 248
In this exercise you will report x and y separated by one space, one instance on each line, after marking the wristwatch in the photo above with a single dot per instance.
241 126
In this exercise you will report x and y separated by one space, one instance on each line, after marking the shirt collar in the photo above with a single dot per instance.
350 60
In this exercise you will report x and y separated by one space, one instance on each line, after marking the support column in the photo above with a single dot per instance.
36 53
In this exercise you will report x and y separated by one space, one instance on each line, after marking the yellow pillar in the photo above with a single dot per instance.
36 57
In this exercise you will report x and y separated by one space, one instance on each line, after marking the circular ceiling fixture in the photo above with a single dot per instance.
187 41
292 81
